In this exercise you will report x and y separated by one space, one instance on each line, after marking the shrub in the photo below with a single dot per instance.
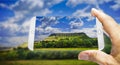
68 43
12 55
21 54
52 55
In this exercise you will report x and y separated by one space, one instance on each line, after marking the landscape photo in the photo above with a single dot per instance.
65 32
63 29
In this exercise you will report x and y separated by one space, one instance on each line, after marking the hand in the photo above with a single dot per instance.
113 29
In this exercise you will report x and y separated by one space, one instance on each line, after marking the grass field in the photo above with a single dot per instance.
64 49
47 62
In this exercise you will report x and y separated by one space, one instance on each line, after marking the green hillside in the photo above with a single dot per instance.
67 40
58 36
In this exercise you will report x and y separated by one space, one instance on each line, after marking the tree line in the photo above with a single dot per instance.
74 42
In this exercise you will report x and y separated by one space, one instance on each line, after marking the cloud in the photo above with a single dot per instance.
76 24
74 3
116 6
45 27
40 37
83 13
43 33
91 32
13 41
18 25
52 30
47 30
24 27
47 21
8 29
95 3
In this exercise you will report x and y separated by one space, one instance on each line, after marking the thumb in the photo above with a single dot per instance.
98 57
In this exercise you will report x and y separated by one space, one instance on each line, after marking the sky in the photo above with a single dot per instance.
46 25
16 14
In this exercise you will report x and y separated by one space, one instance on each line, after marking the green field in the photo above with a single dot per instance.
54 50
61 49
64 49
47 62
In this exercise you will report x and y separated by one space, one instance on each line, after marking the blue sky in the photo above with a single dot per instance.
46 25
15 15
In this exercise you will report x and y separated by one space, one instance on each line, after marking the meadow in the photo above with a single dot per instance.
37 61
54 50
47 62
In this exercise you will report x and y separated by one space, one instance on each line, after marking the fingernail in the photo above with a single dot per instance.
94 11
83 57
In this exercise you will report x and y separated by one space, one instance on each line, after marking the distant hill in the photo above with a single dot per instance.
66 40
69 34
58 36
5 48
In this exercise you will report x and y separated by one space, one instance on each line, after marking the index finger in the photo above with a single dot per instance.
109 24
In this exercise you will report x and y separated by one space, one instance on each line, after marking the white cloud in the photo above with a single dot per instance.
77 2
95 3
52 30
116 6
4 5
16 40
25 27
40 37
48 21
76 31
76 24
48 30
39 29
74 3
41 33
23 5
83 13
45 28
52 2
9 28
23 10
91 32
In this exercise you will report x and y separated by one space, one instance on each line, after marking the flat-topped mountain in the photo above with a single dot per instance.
57 36
69 34
67 40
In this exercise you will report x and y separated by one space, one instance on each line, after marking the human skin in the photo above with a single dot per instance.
113 30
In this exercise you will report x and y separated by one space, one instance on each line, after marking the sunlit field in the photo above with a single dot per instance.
64 49
55 52
47 62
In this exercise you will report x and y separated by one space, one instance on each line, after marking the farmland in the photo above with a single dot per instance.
38 61
54 50
47 62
